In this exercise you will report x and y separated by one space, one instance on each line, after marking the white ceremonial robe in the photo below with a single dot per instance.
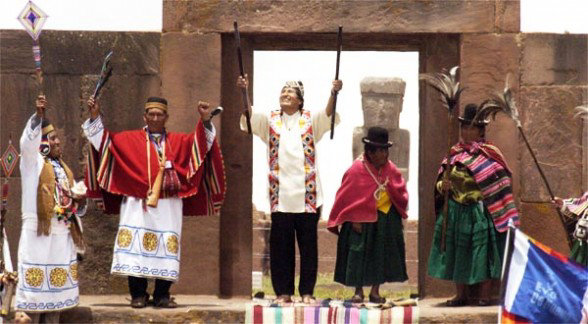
47 265
291 155
148 241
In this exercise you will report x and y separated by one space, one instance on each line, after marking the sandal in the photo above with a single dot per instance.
308 299
377 299
456 302
283 299
357 299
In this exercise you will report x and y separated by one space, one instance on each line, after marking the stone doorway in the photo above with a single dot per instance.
436 51
380 89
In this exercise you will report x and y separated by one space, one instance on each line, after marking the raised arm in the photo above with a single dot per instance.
31 135
243 83
205 115
337 86
93 127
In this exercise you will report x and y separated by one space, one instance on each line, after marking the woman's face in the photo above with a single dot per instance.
471 133
379 157
289 99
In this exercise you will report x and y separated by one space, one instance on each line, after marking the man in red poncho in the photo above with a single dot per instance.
152 177
367 215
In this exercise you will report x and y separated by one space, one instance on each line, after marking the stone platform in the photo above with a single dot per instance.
211 309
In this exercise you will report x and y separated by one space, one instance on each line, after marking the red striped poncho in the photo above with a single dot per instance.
120 169
490 171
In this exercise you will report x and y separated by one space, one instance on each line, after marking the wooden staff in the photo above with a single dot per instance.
504 102
6 265
339 47
447 85
244 91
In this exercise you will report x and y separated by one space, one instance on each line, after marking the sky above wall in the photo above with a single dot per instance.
547 16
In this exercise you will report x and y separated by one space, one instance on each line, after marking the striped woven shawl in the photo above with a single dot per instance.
490 171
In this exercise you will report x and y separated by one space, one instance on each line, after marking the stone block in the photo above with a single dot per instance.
16 53
382 101
382 86
199 273
556 138
381 110
541 222
552 59
486 61
323 16
190 72
508 16
100 233
134 53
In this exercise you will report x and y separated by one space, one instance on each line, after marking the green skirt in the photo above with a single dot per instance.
374 256
474 249
579 252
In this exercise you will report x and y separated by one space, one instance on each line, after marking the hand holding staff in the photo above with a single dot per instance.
339 47
447 85
242 74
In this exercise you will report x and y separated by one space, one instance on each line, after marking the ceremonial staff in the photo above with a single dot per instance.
33 19
504 102
448 86
8 163
244 94
339 47
105 74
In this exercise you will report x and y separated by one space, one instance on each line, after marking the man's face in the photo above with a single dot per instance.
55 145
155 119
289 99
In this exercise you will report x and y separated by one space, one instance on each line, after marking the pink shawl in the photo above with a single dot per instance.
355 200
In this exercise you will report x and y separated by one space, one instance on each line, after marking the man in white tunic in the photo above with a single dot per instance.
50 235
291 134
151 177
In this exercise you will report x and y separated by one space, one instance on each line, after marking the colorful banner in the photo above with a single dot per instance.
541 285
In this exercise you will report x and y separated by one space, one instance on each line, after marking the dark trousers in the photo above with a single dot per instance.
286 228
138 287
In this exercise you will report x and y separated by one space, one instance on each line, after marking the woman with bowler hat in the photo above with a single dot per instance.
367 215
480 206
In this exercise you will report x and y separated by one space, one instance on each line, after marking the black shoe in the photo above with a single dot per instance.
140 302
165 302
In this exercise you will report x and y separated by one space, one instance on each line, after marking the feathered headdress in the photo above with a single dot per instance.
446 84
499 102
582 111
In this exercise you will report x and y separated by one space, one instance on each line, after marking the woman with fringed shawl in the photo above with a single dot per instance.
480 206
367 216
51 233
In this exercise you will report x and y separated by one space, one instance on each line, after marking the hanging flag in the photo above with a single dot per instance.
541 285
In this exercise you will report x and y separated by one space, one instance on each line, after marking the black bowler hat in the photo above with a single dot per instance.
378 137
469 113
